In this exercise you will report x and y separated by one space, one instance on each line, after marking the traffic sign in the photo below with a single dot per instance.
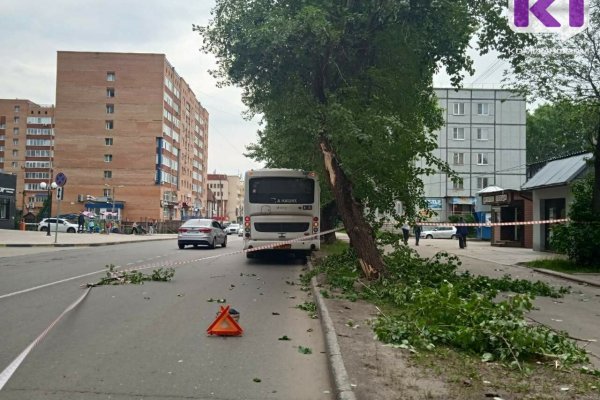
61 179
60 193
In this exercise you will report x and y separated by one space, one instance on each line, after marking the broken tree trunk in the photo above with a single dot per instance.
360 232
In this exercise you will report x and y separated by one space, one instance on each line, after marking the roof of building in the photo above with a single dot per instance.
558 172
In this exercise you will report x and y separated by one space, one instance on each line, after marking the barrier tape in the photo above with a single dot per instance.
7 373
512 223
12 367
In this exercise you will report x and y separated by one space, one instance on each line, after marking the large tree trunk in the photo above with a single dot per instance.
359 231
329 215
596 189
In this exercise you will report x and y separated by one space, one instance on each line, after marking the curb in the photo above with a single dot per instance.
79 244
566 277
336 362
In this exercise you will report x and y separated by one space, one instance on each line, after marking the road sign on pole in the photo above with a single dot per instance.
61 179
60 193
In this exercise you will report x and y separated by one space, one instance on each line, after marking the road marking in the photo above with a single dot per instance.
12 367
50 284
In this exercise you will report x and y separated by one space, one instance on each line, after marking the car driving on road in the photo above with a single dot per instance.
232 228
196 232
63 225
439 232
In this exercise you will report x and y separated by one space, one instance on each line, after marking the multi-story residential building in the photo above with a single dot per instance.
235 205
219 186
228 191
26 149
483 141
130 133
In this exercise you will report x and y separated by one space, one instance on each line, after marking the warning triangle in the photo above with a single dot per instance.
224 325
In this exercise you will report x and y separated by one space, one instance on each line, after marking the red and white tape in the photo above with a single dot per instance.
511 223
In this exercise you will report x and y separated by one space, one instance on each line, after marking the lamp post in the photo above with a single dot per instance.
50 187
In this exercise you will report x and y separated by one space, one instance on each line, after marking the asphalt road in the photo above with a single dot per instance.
149 341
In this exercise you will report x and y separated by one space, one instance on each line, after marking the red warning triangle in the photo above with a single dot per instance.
224 325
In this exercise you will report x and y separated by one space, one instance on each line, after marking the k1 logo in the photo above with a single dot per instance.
563 17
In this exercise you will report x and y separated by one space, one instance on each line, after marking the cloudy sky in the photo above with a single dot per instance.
31 32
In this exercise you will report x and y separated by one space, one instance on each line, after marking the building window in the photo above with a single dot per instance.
482 183
110 125
110 108
15 131
457 185
482 134
459 158
16 120
15 142
108 174
107 157
110 76
17 109
458 133
106 192
15 164
458 109
483 109
482 159
108 141
110 92
15 153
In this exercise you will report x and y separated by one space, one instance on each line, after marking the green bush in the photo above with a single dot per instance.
579 239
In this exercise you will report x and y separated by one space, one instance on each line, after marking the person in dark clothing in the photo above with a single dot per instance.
462 232
417 230
80 222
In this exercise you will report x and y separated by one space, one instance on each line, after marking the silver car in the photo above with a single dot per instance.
439 232
63 225
206 232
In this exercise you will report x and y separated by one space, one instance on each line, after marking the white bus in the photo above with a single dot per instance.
281 205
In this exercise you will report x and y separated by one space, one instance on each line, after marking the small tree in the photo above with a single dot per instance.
579 239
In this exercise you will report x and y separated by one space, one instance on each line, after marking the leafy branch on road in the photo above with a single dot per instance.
135 277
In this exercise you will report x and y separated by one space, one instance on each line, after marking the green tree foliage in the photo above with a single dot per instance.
345 88
555 130
555 70
579 239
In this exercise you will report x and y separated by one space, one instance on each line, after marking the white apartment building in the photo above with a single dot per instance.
483 140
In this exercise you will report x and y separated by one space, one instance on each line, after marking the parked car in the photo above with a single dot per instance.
63 225
232 228
196 232
439 232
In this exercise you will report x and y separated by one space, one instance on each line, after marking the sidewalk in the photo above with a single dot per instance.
364 368
502 256
16 238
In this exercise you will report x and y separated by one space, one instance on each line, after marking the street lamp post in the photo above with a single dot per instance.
50 187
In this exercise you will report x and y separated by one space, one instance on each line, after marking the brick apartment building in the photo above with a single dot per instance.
131 136
26 145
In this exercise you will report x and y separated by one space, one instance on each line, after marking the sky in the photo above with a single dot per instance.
31 32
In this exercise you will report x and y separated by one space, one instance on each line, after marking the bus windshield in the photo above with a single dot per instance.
281 190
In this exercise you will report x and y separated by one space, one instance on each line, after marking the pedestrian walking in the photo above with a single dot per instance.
151 227
417 229
80 222
405 232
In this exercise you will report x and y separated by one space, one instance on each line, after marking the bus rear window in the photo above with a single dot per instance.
279 190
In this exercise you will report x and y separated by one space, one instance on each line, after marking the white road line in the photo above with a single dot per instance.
12 367
50 284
